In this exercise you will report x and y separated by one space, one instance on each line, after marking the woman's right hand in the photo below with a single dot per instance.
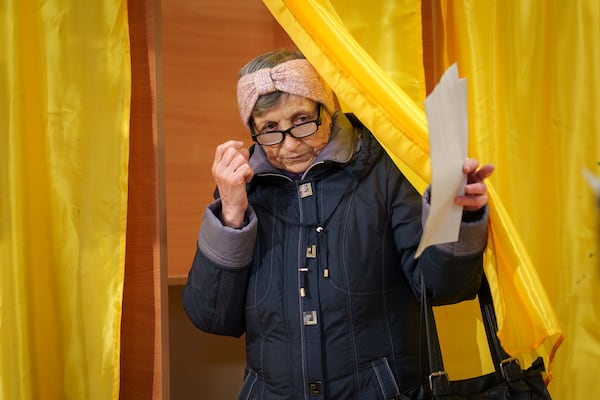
231 172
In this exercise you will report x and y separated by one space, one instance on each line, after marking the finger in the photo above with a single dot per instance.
470 165
224 147
237 163
475 189
233 168
226 153
471 203
485 171
480 174
246 172
233 157
244 151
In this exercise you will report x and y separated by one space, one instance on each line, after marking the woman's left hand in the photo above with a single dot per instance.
475 195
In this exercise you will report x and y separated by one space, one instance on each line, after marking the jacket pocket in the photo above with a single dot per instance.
250 387
385 379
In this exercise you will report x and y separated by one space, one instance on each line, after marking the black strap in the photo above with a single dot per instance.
438 378
436 363
503 363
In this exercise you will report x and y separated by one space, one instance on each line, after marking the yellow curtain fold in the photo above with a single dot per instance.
390 32
528 325
64 127
358 81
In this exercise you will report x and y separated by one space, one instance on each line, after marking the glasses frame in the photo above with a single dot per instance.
289 131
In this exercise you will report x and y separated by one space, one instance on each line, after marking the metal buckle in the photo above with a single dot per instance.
504 364
436 375
314 388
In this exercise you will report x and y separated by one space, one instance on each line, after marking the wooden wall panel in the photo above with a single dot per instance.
144 327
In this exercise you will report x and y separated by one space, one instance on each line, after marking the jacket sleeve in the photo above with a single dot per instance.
452 271
215 291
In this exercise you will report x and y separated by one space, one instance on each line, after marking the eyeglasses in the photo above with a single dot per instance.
297 131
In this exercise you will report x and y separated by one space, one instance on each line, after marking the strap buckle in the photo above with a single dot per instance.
437 374
511 369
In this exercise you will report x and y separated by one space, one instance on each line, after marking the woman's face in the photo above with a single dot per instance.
293 155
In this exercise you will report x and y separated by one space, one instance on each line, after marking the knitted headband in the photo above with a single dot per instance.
296 77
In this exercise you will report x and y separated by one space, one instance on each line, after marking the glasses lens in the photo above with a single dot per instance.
304 130
269 138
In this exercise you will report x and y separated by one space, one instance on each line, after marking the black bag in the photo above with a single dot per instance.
508 381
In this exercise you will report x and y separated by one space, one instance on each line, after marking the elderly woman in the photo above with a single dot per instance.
309 247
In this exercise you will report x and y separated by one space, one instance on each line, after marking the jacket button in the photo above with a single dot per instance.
314 388
305 190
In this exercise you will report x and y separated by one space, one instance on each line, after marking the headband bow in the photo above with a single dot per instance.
296 77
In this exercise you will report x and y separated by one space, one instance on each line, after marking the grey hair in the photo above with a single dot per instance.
269 60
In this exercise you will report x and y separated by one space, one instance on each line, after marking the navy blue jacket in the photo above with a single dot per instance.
322 277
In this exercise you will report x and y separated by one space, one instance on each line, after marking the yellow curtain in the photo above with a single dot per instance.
528 325
64 126
390 32
534 70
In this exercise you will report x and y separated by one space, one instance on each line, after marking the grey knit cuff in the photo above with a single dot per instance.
229 247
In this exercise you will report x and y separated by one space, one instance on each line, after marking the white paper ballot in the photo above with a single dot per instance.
447 119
